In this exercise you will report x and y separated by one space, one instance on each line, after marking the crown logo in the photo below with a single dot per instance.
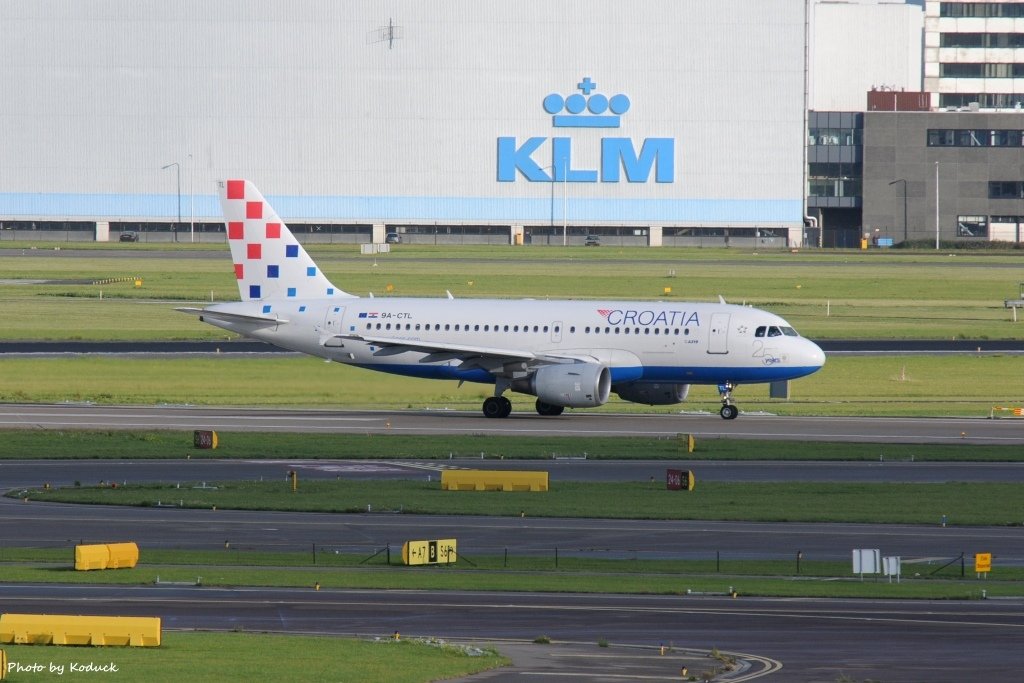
578 105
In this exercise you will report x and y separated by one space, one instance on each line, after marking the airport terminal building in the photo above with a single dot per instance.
662 123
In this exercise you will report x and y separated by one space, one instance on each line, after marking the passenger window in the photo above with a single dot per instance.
759 332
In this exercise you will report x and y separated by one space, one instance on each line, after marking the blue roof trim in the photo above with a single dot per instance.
297 209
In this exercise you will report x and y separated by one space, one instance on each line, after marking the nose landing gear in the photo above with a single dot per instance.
728 411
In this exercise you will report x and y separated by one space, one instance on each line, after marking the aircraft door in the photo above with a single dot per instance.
718 334
332 325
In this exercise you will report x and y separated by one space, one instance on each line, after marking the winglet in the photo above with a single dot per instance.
269 262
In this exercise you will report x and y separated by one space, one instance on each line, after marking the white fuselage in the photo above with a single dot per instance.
669 342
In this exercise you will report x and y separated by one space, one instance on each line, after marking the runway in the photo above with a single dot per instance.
59 525
812 640
749 426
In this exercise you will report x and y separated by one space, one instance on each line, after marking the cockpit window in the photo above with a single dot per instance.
789 332
759 332
774 331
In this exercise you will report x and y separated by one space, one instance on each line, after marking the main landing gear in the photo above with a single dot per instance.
728 411
499 406
548 409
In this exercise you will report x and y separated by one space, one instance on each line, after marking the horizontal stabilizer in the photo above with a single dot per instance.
211 314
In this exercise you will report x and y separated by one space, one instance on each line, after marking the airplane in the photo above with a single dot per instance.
567 353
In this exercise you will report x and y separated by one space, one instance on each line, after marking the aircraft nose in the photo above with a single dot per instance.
813 354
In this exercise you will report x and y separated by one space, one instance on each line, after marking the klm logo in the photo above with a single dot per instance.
619 156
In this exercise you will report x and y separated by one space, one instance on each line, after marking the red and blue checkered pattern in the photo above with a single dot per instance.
269 263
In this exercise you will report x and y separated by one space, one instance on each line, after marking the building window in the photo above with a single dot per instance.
1005 189
971 226
989 40
835 136
984 100
974 138
834 180
971 138
941 138
985 10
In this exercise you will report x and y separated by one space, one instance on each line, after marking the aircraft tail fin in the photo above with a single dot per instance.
269 261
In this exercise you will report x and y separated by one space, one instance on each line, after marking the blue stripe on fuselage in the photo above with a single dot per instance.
666 374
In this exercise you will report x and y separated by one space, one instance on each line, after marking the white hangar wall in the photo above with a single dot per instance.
692 111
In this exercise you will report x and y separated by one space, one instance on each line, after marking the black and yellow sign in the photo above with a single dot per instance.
429 552
204 439
982 562
678 480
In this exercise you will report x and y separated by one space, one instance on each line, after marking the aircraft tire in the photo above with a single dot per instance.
497 406
729 412
548 409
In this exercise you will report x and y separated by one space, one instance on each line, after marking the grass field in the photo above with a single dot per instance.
955 385
963 503
626 577
35 444
229 657
825 295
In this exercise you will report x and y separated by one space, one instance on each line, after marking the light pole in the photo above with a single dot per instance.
177 167
903 180
565 198
936 206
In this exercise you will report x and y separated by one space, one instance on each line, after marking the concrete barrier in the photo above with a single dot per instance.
60 629
123 555
106 556
493 480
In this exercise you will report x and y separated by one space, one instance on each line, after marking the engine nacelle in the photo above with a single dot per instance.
573 385
653 394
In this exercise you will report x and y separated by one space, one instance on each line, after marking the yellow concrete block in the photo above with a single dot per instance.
106 556
59 629
493 480
123 555
89 557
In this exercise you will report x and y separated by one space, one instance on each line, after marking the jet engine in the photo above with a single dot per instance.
653 394
573 385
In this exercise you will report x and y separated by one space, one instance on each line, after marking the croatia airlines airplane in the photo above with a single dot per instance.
569 354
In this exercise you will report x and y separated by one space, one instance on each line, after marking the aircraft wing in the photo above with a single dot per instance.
206 313
490 358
